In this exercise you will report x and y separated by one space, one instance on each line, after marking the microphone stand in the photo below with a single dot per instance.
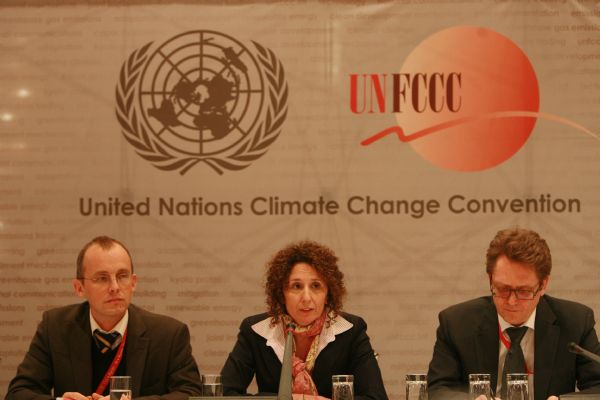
576 349
285 379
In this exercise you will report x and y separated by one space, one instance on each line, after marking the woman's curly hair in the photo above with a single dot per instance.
318 256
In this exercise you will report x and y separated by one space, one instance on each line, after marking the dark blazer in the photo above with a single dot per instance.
467 342
350 353
158 357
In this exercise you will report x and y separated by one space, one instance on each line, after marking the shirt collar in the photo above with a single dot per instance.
276 339
530 323
120 327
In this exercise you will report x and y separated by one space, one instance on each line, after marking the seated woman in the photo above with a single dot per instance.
305 287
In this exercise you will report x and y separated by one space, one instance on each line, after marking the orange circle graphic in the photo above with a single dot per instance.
493 100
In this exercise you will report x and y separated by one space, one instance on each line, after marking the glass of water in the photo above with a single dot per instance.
342 387
480 385
120 388
416 387
517 387
211 385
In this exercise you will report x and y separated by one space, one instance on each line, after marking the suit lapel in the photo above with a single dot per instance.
545 342
80 349
486 343
136 349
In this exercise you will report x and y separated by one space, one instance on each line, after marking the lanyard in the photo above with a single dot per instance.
506 344
113 366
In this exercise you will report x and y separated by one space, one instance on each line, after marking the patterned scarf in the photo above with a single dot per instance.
301 369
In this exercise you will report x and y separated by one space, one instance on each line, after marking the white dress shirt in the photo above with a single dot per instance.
120 327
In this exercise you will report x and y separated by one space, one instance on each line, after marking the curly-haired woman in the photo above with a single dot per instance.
304 289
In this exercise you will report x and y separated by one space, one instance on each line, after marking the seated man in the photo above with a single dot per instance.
78 347
475 336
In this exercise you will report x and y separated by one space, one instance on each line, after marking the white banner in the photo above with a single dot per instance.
205 137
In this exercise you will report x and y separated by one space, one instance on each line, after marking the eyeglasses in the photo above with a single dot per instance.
504 292
123 279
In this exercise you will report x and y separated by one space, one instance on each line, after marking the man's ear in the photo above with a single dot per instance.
78 287
544 286
133 282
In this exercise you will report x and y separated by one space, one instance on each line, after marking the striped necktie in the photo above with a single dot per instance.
106 341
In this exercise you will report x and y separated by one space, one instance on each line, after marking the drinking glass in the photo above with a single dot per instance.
416 387
120 388
517 387
211 385
342 387
480 384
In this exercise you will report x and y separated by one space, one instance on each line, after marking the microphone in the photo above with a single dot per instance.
574 348
285 379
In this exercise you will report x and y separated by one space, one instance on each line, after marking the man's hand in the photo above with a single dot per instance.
75 396
79 396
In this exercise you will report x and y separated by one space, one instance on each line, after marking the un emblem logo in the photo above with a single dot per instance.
201 97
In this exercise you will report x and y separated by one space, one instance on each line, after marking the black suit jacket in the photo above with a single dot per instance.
467 342
158 357
349 354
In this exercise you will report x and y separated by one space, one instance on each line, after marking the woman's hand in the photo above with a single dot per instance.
300 396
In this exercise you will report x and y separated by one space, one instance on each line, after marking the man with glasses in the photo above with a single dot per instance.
476 336
78 347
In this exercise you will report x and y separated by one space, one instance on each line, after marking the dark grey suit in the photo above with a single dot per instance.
467 342
158 357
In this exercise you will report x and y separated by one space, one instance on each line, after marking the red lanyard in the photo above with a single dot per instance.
113 366
506 344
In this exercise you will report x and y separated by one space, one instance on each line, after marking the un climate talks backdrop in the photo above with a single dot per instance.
207 136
